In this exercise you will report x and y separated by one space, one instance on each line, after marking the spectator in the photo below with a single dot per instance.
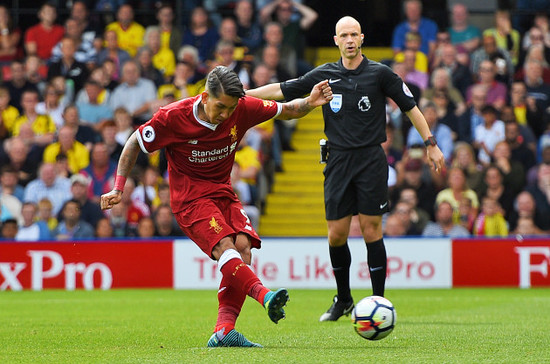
189 54
497 92
146 228
146 191
486 136
23 158
83 133
42 37
91 110
171 36
164 223
130 34
8 114
415 22
9 184
393 154
541 194
506 37
465 159
273 36
504 68
519 150
490 222
513 171
90 212
536 53
228 33
86 21
147 70
107 130
444 112
103 229
419 78
242 191
36 72
540 92
444 225
78 156
134 93
114 53
441 81
182 84
45 214
292 29
52 105
526 227
224 55
457 190
412 42
11 205
39 129
201 34
163 58
48 185
403 210
461 76
493 187
525 207
18 84
525 133
118 218
84 48
442 132
525 108
472 118
30 229
10 36
410 175
68 66
101 172
462 33
9 229
394 226
123 121
271 58
248 28
72 226
419 217
535 37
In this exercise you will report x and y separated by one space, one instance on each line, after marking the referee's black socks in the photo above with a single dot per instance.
377 261
340 258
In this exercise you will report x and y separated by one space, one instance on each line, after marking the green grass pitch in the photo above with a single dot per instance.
169 326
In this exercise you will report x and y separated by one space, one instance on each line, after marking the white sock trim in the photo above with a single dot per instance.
227 256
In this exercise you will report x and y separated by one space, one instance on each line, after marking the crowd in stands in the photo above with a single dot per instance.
72 94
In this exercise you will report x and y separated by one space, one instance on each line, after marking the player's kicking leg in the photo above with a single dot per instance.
238 280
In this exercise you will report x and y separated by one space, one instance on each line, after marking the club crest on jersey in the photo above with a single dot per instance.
336 102
214 225
268 103
364 104
148 134
233 133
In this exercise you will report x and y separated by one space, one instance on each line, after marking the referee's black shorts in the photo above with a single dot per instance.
356 181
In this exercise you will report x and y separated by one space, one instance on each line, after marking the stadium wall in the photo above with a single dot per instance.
290 262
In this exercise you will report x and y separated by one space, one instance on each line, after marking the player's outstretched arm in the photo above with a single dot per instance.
268 92
126 162
434 153
320 94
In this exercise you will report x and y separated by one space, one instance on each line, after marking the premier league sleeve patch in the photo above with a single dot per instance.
148 134
336 103
406 90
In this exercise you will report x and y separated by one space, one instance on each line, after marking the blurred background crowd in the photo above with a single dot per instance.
79 76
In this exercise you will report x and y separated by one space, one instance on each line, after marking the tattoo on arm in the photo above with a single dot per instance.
128 156
298 108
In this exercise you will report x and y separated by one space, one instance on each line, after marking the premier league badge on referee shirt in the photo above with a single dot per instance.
336 102
364 103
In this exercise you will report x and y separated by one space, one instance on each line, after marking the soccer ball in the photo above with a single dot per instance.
373 317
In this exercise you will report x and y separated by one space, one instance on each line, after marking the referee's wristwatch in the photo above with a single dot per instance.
430 141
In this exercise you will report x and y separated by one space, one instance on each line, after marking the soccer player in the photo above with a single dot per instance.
356 174
200 135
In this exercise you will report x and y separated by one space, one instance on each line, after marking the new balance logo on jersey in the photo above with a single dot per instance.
364 104
193 141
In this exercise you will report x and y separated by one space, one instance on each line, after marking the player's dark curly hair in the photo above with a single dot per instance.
222 80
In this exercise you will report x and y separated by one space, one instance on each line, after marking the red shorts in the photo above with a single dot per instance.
207 220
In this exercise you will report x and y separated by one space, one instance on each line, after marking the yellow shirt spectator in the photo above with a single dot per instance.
420 64
78 156
248 157
165 61
9 115
43 124
129 39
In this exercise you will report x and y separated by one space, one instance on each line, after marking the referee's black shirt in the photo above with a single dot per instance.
356 117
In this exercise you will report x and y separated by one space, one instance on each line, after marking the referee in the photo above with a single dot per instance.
356 174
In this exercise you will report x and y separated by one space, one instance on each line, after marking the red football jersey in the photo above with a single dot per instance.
200 155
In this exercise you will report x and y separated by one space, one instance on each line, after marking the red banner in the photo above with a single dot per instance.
501 262
86 264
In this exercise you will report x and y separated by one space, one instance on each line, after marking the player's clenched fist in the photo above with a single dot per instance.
110 199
